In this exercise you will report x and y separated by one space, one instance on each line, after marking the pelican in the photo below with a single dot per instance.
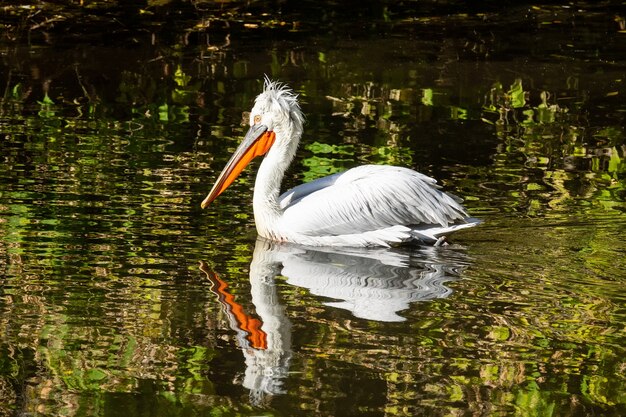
370 205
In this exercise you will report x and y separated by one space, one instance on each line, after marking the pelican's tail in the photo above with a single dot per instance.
432 234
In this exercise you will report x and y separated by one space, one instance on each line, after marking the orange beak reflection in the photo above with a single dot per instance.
257 142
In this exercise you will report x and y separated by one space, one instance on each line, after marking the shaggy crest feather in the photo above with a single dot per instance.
277 96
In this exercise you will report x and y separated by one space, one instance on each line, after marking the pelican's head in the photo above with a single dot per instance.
275 123
277 109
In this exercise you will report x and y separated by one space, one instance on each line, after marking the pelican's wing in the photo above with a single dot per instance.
366 198
297 193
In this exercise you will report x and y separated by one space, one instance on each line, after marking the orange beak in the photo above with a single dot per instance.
257 142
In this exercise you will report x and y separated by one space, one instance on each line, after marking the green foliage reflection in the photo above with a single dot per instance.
103 166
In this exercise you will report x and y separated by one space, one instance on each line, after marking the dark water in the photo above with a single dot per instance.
120 296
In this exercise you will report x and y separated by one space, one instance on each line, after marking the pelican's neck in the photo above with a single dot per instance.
265 202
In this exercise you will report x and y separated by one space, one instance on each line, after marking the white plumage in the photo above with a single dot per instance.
370 205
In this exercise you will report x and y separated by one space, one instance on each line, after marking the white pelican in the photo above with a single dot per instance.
370 205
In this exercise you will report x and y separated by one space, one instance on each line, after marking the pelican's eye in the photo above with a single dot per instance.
257 119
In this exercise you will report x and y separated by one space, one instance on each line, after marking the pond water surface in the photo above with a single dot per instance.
120 296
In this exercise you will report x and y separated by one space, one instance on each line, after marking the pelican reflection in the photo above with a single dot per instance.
372 284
